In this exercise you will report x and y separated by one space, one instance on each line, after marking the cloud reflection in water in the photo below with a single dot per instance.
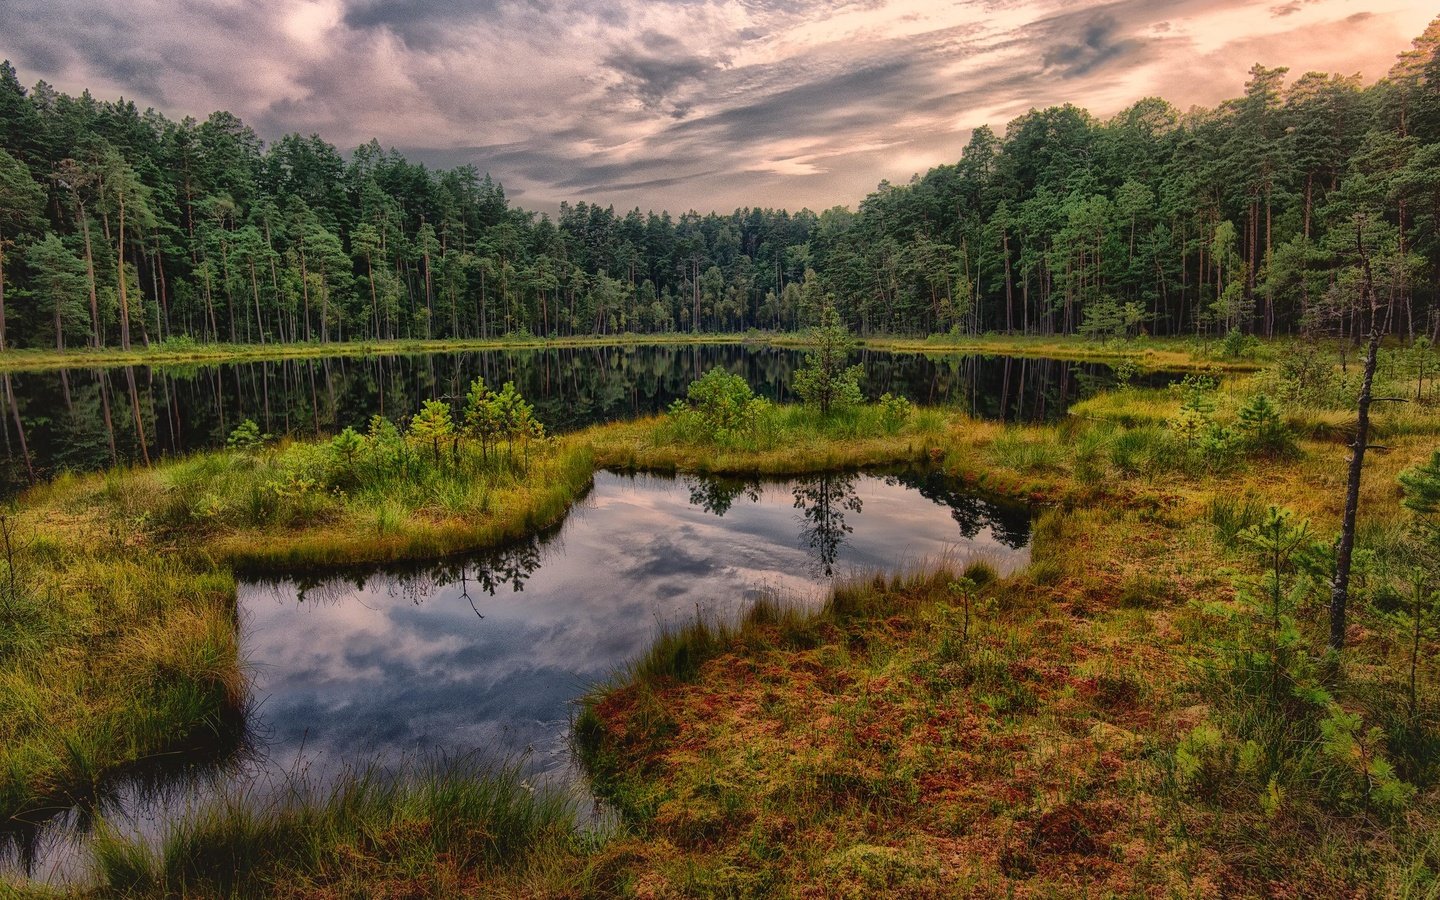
490 652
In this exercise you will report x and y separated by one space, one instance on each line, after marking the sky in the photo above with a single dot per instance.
681 104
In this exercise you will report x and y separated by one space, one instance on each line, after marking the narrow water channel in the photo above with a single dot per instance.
485 655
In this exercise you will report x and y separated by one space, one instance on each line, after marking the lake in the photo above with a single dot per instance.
88 419
484 655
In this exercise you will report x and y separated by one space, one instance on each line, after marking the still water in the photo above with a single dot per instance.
87 419
485 655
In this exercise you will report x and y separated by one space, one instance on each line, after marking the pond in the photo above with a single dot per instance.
87 419
486 654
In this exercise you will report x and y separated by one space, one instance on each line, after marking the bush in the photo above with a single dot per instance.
894 412
1239 345
722 409
246 437
1262 431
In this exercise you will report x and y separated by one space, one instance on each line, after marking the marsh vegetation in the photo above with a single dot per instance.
1154 676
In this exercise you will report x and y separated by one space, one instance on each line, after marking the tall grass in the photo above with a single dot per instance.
105 662
434 828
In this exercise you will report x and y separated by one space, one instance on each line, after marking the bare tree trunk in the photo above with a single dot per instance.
1345 546
120 267
90 274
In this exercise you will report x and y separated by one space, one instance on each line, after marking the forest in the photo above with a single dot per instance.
121 227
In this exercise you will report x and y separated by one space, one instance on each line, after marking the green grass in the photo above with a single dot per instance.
106 660
435 831
179 353
1147 353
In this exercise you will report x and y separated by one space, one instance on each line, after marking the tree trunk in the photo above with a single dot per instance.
97 337
120 268
255 289
2 292
1345 546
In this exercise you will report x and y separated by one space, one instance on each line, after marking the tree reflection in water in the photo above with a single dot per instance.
1008 522
491 571
823 502
717 495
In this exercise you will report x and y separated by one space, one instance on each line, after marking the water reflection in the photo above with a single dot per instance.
47 841
487 652
85 419
823 502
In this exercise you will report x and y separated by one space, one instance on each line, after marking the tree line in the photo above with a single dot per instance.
121 227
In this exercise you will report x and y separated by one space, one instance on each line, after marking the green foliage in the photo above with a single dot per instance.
246 437
1421 485
895 411
1273 703
1261 430
1206 446
1359 774
1108 319
1306 374
723 410
1239 345
432 424
1417 620
825 380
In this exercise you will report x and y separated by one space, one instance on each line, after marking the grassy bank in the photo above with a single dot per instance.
442 831
108 657
119 641
175 353
1147 353
1094 725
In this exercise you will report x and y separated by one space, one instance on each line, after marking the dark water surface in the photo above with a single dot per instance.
87 419
486 654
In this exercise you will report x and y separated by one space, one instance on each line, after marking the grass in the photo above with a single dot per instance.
1147 353
1061 731
885 745
442 830
173 353
106 660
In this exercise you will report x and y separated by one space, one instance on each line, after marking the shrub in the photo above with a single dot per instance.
722 409
1262 431
246 437
1239 345
894 412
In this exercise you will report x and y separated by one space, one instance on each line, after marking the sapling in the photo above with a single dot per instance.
432 423
825 381
1276 540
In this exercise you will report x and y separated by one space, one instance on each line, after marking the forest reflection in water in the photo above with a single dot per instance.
88 419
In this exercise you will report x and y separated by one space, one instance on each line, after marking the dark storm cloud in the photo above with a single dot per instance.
421 24
678 103
1101 43
656 66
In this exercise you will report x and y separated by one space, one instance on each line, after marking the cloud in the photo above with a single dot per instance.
1099 45
679 103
